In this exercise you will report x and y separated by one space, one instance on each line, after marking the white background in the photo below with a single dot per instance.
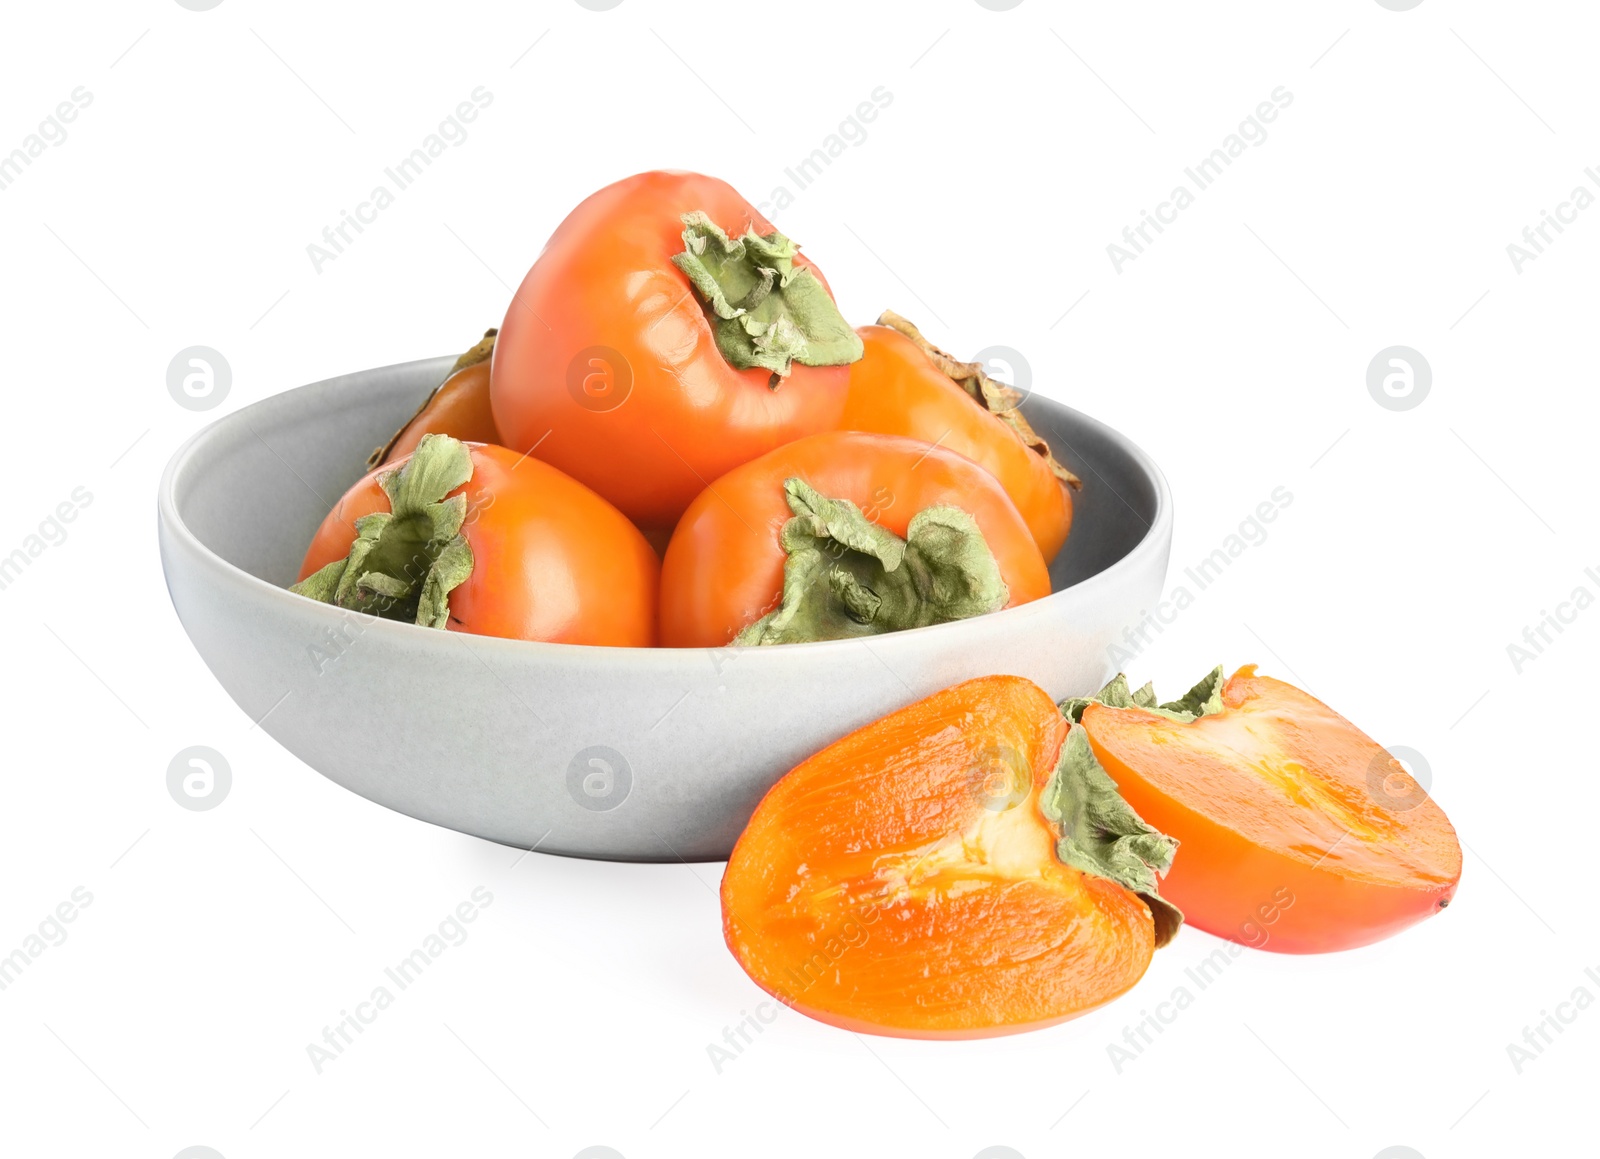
1017 146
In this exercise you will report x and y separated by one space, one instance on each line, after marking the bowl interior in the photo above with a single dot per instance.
1117 506
255 485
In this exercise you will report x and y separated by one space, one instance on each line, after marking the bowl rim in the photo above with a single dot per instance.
1156 539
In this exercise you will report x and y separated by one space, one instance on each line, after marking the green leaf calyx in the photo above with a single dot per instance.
846 576
406 561
766 311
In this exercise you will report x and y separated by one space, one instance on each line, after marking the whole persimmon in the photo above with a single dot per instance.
904 385
844 534
474 538
667 334
458 407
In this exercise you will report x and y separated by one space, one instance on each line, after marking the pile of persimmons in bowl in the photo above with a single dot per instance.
705 470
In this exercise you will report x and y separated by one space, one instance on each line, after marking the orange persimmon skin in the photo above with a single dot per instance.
604 299
459 408
724 567
1297 832
552 560
882 887
896 390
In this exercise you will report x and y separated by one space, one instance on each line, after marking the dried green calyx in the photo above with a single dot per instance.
999 399
1201 700
1101 834
768 312
846 576
481 351
406 561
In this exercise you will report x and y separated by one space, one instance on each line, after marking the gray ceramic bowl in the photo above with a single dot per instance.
622 753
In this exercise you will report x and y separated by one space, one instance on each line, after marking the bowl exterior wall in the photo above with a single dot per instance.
617 753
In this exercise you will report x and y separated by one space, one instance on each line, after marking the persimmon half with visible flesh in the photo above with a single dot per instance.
905 385
1300 833
958 869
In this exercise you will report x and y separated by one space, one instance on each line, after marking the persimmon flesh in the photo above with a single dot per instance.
1299 832
904 880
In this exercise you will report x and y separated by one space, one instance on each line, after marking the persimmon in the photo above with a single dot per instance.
905 385
1300 833
458 407
667 334
844 534
475 538
958 869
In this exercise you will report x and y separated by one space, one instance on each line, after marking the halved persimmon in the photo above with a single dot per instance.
958 869
1300 833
